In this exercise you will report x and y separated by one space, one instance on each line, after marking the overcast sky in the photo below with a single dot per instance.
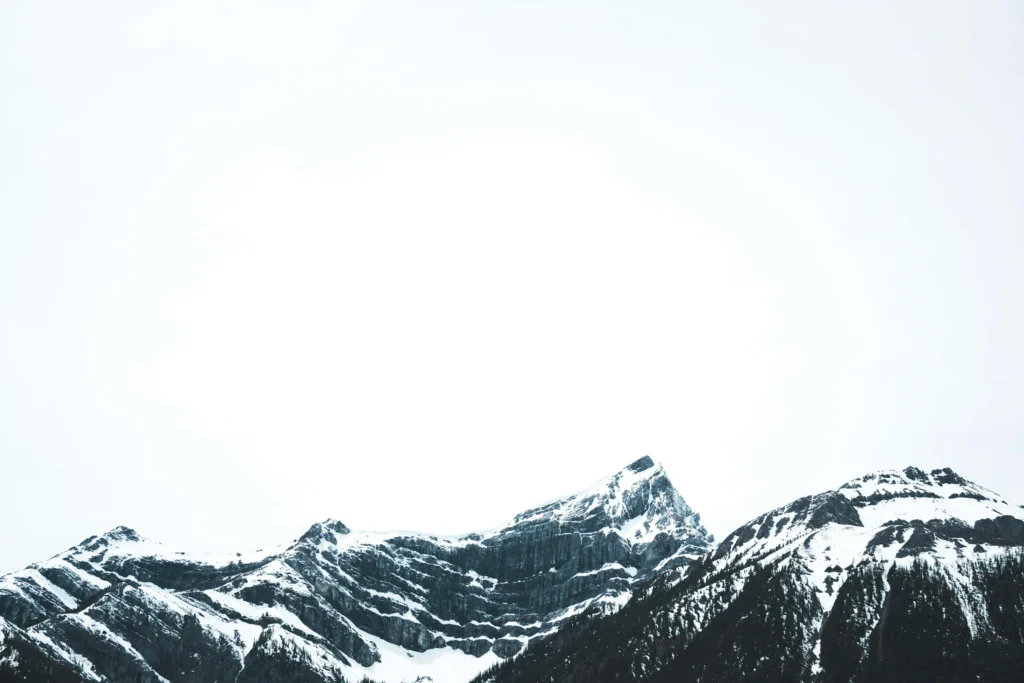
421 265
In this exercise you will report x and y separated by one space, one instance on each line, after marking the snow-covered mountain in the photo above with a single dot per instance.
339 603
883 517
895 576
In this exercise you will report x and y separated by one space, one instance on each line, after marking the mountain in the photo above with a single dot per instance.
341 604
895 576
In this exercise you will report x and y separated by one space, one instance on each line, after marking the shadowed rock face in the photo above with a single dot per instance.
917 536
327 605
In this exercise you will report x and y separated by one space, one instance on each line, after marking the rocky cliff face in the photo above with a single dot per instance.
895 576
339 603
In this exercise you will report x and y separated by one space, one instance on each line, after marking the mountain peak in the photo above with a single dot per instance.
644 463
335 525
948 476
638 503
869 517
940 476
941 481
118 534
122 533
320 529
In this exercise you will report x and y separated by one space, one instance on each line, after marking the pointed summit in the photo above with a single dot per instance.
116 535
638 503
321 529
644 463
123 533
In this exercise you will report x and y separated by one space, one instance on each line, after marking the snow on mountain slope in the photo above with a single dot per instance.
840 549
881 519
638 502
885 517
341 603
895 576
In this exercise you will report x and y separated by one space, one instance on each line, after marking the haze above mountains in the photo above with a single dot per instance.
254 257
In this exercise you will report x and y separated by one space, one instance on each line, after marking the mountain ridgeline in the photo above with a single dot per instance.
895 576
339 604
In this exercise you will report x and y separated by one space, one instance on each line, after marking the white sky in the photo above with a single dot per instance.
422 265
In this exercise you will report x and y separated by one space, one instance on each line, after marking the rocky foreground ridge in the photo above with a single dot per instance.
339 604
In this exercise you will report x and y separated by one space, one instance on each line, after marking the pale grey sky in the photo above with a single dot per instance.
421 265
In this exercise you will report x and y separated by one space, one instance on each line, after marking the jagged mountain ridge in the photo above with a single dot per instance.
895 576
341 603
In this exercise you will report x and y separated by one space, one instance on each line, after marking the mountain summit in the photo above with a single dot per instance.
342 604
639 505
